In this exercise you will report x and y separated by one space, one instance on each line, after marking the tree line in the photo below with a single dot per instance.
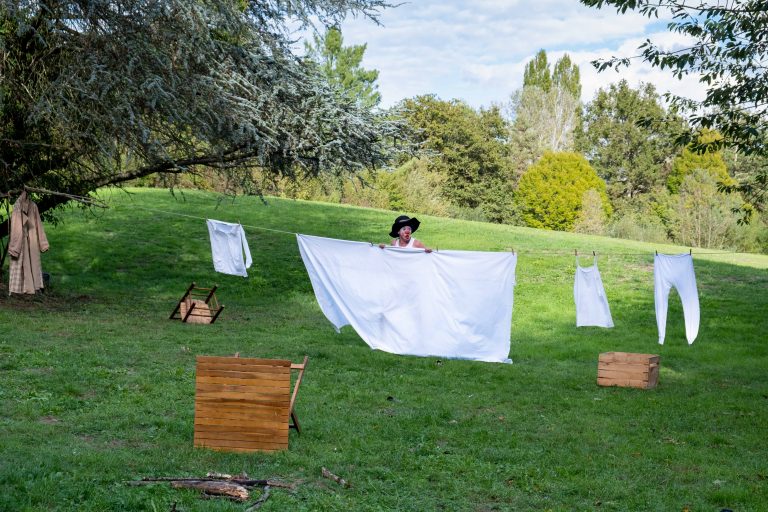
213 94
614 166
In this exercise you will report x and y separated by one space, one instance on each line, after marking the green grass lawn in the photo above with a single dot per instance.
97 385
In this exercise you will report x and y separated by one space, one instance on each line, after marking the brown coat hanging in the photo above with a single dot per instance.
27 241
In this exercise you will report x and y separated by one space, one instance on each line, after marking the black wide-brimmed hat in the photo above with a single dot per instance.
401 222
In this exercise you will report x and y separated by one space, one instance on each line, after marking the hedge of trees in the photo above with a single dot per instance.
614 166
610 167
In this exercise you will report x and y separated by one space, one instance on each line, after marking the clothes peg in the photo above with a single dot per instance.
575 252
593 253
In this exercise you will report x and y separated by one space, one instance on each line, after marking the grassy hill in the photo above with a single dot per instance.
97 385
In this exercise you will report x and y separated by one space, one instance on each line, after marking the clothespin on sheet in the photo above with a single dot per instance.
575 252
593 253
690 251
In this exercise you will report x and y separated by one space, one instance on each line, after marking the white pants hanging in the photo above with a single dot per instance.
676 270
588 293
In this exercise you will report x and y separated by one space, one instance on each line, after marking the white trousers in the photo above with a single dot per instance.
588 293
676 270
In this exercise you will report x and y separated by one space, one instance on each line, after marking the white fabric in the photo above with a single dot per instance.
588 293
676 270
228 245
452 304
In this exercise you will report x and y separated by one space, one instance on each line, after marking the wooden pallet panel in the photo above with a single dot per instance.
242 404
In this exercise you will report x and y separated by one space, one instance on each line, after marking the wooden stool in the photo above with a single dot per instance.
197 306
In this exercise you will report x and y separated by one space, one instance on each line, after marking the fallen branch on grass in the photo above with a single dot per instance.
217 485
245 482
217 488
259 502
337 479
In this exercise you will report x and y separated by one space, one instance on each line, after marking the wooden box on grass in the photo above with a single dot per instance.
242 404
626 369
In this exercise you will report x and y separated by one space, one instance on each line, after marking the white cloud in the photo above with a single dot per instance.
477 50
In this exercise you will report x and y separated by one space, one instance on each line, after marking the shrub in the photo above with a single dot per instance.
689 161
551 191
592 218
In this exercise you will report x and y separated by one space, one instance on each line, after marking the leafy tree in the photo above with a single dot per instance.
547 119
546 112
99 92
592 217
566 75
467 148
629 138
728 54
551 191
537 73
750 171
413 188
703 216
341 64
710 160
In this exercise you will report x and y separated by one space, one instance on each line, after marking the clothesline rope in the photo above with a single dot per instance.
92 201
542 252
204 218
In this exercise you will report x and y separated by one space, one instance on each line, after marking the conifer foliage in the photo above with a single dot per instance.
98 92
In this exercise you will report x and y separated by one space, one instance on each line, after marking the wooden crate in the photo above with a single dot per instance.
242 404
626 369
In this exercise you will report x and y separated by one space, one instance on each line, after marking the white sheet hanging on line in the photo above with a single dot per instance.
588 293
676 270
228 245
452 304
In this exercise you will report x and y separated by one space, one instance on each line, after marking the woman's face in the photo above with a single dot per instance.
405 233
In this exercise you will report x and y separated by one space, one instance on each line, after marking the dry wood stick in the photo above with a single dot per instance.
245 482
337 479
259 502
236 480
218 488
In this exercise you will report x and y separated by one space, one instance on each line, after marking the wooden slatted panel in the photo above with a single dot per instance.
201 314
628 369
242 404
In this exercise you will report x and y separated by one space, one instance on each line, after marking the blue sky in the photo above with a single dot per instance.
477 50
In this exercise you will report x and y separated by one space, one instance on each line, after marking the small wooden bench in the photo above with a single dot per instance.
245 404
